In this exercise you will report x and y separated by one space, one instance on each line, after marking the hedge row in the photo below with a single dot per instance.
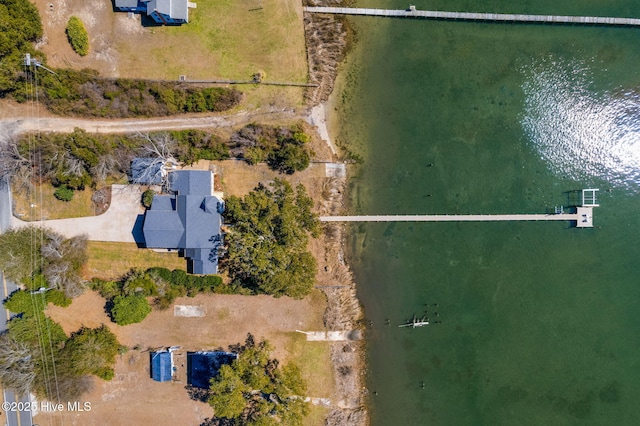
85 93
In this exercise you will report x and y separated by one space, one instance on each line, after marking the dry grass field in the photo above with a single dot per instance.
224 39
132 397
46 206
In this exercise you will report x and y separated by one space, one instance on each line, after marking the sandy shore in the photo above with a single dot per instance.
318 117
344 311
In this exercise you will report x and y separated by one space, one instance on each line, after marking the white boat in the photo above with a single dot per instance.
415 322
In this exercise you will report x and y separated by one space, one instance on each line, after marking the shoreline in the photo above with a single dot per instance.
344 310
327 43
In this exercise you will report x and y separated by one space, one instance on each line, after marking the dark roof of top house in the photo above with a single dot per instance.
175 9
146 171
126 3
187 220
161 366
192 182
203 366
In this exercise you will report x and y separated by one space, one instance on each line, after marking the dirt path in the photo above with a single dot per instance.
48 123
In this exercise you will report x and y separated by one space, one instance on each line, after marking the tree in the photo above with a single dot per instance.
20 255
160 151
29 251
63 261
129 309
266 250
16 366
92 351
289 158
227 393
254 390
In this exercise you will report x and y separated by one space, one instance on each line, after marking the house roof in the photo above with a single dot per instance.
187 220
126 3
203 366
192 182
161 368
175 9
204 261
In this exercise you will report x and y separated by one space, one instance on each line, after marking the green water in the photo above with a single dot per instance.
540 321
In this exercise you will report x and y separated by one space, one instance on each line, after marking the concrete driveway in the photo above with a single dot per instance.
122 222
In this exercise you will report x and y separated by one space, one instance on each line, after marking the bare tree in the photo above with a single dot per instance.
52 248
159 151
158 145
73 166
14 165
16 368
63 262
107 165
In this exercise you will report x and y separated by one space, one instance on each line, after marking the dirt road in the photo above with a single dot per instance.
48 123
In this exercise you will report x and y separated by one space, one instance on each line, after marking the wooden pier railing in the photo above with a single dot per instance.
412 12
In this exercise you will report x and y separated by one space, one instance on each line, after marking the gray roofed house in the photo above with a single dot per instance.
188 220
126 5
167 12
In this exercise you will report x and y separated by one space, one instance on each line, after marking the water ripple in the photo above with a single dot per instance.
583 135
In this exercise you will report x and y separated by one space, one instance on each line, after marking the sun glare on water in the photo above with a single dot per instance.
581 134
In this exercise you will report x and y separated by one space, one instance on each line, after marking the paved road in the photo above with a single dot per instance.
21 418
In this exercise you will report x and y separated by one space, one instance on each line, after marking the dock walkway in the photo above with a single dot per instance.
412 12
583 218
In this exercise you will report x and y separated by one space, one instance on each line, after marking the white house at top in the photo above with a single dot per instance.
166 12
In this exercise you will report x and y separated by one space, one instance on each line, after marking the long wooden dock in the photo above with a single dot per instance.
583 218
412 12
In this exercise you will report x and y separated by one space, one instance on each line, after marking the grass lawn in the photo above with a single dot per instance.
46 206
109 260
314 360
224 39
231 39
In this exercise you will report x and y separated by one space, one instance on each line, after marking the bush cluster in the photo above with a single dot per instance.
283 148
77 36
85 93
195 145
20 27
23 365
78 160
147 198
162 284
63 193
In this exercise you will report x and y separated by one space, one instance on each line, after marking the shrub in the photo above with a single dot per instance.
58 298
107 289
147 198
129 309
77 35
63 193
254 155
